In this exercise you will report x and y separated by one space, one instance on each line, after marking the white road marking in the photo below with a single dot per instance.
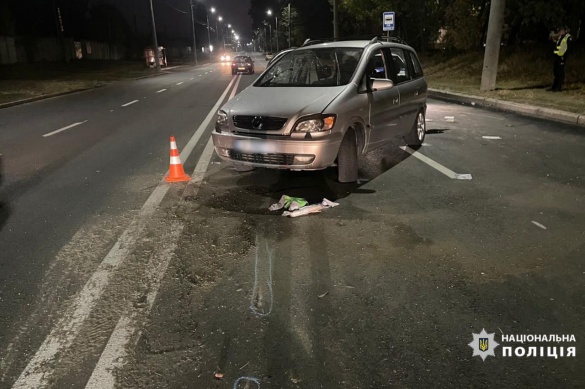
191 78
64 128
114 354
130 103
235 90
491 137
538 225
39 370
448 172
249 379
162 90
179 83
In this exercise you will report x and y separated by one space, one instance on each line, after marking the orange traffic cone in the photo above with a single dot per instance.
176 172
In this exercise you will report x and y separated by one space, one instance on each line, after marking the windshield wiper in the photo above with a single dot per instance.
276 75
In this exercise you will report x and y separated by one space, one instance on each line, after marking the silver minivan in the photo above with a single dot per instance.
325 104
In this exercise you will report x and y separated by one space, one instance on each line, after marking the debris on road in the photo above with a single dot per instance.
323 295
290 203
219 376
308 209
538 225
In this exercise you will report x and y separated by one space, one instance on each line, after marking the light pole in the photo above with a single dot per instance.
208 35
269 12
219 18
193 27
289 24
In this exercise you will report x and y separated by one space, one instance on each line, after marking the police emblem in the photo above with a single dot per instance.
483 344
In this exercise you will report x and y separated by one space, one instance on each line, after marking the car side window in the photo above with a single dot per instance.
375 69
416 68
400 65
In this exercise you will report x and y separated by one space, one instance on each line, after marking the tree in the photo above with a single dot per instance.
296 32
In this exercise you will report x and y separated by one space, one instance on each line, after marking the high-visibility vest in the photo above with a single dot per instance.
563 46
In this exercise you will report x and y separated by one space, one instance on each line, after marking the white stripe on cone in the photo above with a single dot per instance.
175 160
173 145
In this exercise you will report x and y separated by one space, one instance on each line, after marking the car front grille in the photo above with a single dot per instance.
264 123
268 159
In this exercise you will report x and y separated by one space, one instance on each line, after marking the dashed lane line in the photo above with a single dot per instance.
160 91
179 83
435 165
130 103
64 128
39 371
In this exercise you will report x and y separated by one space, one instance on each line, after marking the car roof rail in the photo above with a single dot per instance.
394 39
309 42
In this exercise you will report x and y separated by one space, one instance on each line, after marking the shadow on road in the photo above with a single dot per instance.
252 190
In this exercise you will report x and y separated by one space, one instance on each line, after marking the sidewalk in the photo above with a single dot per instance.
507 106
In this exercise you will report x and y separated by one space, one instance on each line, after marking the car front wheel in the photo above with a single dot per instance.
347 158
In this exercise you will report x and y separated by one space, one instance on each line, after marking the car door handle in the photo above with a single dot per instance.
395 101
416 93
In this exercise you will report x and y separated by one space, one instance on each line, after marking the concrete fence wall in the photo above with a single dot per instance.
21 49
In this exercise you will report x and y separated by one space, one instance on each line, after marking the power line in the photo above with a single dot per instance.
176 9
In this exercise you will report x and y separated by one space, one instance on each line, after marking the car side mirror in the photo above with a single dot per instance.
379 84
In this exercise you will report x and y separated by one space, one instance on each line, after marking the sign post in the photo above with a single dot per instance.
388 22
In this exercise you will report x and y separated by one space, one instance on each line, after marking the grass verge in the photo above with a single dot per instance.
524 73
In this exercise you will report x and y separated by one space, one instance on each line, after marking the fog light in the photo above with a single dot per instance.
303 159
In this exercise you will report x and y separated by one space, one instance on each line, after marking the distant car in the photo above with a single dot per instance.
242 64
326 105
225 58
269 56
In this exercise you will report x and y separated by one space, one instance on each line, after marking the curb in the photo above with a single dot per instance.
507 106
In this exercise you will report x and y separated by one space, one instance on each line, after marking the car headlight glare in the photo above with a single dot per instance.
222 121
316 124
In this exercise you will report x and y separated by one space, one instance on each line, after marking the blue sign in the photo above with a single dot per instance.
388 19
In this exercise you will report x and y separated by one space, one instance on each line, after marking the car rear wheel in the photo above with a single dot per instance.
347 159
416 137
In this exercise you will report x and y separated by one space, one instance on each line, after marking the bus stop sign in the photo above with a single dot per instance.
388 21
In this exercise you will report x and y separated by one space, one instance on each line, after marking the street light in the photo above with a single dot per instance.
208 35
216 30
269 12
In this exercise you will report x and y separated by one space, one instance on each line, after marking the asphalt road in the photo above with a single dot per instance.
109 278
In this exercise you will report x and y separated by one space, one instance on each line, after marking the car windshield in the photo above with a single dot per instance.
312 67
242 59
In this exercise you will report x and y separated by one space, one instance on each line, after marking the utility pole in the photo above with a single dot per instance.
193 27
154 40
277 34
208 35
492 46
335 21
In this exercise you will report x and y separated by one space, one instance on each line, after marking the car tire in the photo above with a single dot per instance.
347 158
416 137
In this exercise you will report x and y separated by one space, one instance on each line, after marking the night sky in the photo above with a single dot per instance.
176 25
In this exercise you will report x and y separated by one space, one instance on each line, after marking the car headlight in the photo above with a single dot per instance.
227 57
223 57
222 121
315 123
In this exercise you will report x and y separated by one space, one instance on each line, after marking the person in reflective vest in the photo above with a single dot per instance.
564 40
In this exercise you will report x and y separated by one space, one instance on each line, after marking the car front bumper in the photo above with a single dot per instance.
278 152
